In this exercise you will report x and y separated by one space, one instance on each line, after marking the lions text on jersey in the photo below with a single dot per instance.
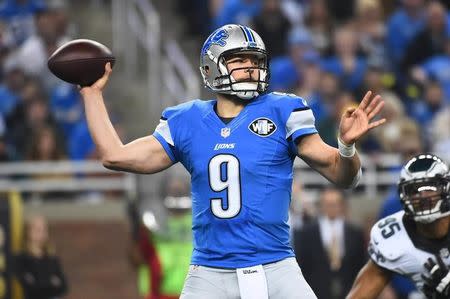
241 175
396 246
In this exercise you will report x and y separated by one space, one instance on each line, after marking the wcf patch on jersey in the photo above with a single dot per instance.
263 127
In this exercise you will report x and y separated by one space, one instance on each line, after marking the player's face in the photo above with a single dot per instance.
423 200
243 67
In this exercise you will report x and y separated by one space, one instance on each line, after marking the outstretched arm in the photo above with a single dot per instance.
144 155
342 166
370 282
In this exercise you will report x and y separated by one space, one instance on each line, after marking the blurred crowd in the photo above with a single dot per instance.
332 52
41 117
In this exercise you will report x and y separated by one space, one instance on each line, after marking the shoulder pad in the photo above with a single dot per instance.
387 238
177 110
288 98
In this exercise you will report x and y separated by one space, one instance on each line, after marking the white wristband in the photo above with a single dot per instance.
345 150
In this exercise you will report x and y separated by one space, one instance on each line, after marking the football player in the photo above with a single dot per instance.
239 149
414 242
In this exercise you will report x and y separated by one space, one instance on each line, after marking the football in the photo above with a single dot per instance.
81 61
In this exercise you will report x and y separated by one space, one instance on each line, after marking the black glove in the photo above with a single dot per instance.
437 279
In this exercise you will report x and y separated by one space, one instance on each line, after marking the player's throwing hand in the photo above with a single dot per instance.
100 83
355 122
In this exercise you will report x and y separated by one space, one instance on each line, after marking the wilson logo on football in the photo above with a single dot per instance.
263 127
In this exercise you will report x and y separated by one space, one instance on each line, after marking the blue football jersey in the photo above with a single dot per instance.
241 175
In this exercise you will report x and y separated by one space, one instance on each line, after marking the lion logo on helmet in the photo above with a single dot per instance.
217 38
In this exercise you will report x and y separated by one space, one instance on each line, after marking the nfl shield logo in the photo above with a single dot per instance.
225 132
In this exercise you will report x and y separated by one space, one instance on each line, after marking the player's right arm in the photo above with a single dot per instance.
143 155
370 282
386 257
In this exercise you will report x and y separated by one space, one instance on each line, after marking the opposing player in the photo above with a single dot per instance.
239 149
414 242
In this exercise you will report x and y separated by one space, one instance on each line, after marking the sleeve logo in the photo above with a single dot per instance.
262 127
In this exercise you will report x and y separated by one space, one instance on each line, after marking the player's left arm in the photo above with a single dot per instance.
343 166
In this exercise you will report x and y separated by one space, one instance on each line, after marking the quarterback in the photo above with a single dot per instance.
239 149
414 242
